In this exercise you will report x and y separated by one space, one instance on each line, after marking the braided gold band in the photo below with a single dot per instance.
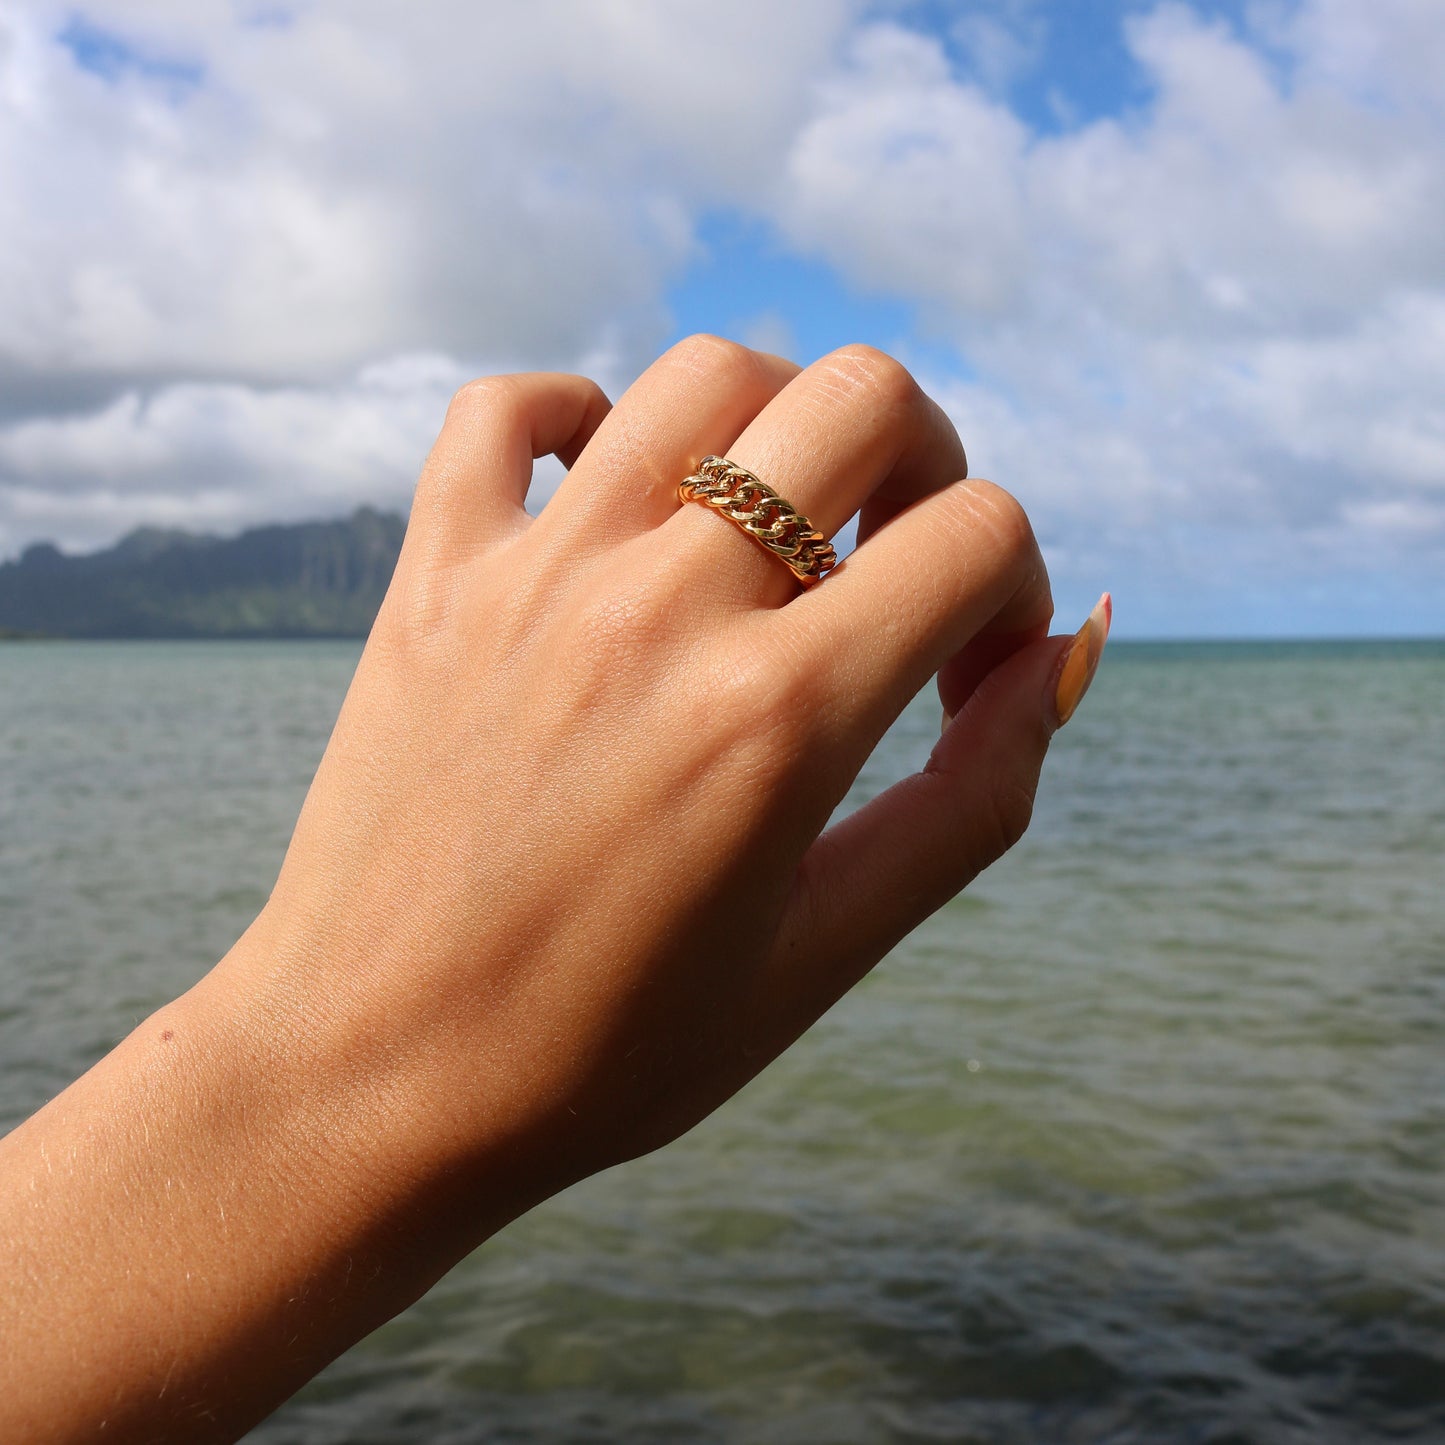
735 493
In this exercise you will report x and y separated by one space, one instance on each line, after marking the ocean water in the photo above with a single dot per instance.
1141 1139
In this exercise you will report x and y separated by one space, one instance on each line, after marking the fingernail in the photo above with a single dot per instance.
947 722
1082 659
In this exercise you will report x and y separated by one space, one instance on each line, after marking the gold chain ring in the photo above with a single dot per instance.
775 524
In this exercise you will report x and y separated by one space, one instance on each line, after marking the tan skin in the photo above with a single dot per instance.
561 885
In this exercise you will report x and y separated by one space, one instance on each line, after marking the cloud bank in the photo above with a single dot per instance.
250 251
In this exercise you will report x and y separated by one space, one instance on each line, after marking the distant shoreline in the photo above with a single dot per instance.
307 579
1404 641
42 637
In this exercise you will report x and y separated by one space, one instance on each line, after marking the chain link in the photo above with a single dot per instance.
770 521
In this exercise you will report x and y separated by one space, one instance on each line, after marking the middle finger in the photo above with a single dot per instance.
853 426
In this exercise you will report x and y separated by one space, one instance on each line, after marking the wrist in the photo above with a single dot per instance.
204 1220
376 1099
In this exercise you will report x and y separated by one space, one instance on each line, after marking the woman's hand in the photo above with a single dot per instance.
565 841
561 885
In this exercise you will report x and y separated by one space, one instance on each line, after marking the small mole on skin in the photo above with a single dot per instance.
168 1036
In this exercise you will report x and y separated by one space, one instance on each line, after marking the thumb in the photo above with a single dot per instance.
875 876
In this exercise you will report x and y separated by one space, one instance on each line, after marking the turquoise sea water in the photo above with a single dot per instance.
1142 1139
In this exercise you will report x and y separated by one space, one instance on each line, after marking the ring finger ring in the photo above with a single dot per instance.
773 523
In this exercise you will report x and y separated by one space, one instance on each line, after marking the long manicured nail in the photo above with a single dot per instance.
1082 659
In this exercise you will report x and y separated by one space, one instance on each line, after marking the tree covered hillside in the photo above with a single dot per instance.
312 579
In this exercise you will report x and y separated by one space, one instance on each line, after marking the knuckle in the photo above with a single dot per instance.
603 632
716 357
482 396
883 377
1008 812
771 698
1000 512
416 615
615 636
597 400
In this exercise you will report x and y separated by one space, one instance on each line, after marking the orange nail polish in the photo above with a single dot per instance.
1082 659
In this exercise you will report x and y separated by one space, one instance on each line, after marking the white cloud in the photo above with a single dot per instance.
251 260
363 180
205 453
1236 203
1000 49
202 452
910 181
228 228
1226 311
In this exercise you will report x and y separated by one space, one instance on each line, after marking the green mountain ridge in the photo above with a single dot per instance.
309 579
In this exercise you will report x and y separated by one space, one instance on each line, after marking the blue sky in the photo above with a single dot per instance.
1073 67
1173 268
111 56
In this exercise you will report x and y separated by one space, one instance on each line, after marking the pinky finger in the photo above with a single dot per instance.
871 879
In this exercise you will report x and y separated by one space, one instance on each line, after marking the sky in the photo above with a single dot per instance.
1176 270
